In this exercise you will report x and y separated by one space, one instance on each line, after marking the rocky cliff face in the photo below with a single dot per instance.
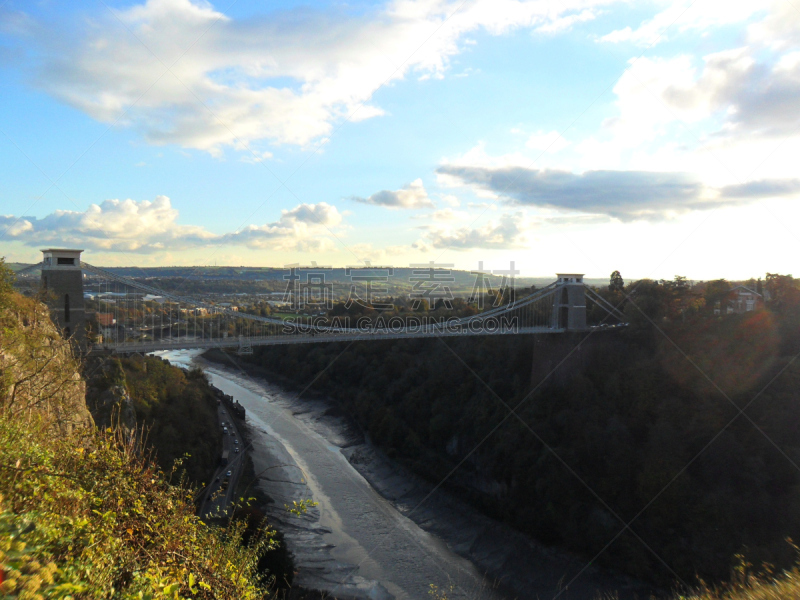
107 395
39 374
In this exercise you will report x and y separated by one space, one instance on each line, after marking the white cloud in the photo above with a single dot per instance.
642 94
285 78
412 195
451 200
313 214
444 214
115 224
477 156
15 227
254 157
565 23
146 227
686 16
752 89
720 116
625 195
305 228
707 122
510 231
733 96
780 29
551 142
756 98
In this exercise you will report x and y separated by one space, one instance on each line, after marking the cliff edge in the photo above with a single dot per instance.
38 372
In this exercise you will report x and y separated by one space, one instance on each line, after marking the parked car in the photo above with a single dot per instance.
228 474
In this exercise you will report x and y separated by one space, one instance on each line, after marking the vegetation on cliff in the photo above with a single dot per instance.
85 516
83 513
176 409
641 426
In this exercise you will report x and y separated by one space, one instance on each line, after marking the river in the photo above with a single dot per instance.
356 543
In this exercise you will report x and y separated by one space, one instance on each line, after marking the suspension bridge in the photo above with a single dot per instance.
118 314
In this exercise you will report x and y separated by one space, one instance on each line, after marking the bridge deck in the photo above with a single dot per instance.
232 342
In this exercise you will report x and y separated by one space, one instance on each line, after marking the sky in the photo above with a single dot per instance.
654 138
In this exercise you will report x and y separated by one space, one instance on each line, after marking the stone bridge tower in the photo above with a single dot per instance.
62 281
569 303
558 358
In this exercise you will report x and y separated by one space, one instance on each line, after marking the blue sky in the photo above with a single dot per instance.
585 135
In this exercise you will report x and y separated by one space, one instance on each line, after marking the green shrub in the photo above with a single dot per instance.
84 516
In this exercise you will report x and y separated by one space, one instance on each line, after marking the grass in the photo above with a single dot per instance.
746 585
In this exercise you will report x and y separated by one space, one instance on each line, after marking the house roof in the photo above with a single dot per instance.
743 287
105 319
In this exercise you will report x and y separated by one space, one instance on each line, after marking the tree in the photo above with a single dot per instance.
784 293
717 291
617 284
646 304
6 282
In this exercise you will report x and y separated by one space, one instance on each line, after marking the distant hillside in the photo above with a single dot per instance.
18 266
456 279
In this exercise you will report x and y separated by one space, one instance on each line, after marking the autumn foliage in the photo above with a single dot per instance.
83 513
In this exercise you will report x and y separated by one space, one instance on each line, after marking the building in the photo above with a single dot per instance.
62 281
107 327
744 300
739 300
105 319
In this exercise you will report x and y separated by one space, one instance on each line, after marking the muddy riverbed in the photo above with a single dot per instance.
378 531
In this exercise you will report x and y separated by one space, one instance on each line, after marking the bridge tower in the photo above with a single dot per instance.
62 280
569 303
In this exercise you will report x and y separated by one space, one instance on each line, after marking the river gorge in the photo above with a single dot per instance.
378 531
